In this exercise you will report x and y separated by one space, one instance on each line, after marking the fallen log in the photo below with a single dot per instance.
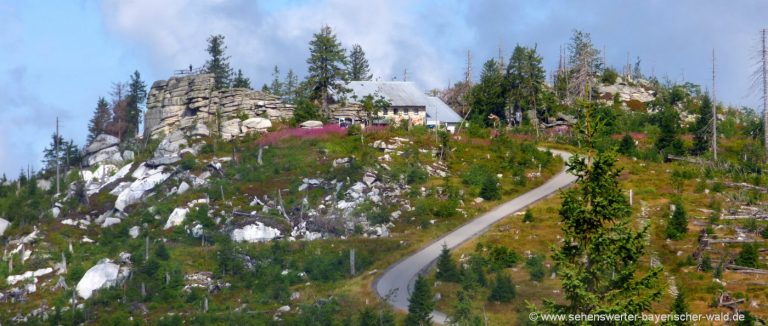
746 270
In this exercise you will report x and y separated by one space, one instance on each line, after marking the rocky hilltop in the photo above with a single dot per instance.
191 103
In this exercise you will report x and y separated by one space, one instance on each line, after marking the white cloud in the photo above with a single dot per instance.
174 32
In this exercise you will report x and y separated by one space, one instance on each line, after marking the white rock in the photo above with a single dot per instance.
183 187
135 192
259 124
479 200
4 224
101 142
13 279
134 231
254 233
104 274
311 124
176 218
369 178
108 155
284 309
109 221
86 240
43 184
55 212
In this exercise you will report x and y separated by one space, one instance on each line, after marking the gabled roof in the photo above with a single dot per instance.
438 110
397 93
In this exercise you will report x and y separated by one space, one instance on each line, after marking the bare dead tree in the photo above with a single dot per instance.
714 111
760 79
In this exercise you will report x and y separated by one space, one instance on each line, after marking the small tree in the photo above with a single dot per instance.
100 119
358 64
446 267
218 64
749 256
241 81
627 145
290 86
490 188
503 290
528 217
679 308
535 267
462 311
677 226
706 263
420 305
327 63
276 87
305 111
137 95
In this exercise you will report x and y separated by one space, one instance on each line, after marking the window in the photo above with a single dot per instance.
405 111
385 111
394 111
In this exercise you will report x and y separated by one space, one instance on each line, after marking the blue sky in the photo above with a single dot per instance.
58 57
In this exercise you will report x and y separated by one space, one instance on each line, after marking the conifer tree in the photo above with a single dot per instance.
276 87
525 79
679 308
137 95
446 267
599 258
290 86
490 188
327 63
420 305
749 256
528 217
462 313
503 290
678 223
487 97
218 63
100 119
240 81
627 145
702 136
358 64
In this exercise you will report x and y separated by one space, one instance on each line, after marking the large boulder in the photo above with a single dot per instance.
230 129
258 124
311 124
104 274
254 233
177 217
199 130
168 152
146 180
101 142
110 155
4 224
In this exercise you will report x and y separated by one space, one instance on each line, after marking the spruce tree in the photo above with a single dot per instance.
100 119
528 217
462 311
218 63
290 86
677 226
327 63
137 95
668 141
627 145
702 136
503 290
276 87
446 267
490 188
679 308
240 81
367 317
358 64
487 97
421 304
525 79
598 260
749 256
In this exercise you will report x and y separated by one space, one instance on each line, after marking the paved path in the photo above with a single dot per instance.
396 283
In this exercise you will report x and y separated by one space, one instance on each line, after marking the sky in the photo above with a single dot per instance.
58 57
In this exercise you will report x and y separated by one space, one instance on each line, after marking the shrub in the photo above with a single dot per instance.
528 217
609 76
748 256
490 189
535 267
503 290
500 257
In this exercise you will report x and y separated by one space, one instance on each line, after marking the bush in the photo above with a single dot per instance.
503 290
609 76
528 217
627 145
677 226
535 267
500 257
490 189
748 256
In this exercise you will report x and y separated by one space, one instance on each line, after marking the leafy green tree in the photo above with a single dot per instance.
358 64
137 96
218 63
462 311
528 216
487 97
490 188
702 136
240 81
446 267
627 145
749 256
598 260
327 63
305 110
677 226
421 304
100 119
503 290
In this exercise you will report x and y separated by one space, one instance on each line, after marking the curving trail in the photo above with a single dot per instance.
396 283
